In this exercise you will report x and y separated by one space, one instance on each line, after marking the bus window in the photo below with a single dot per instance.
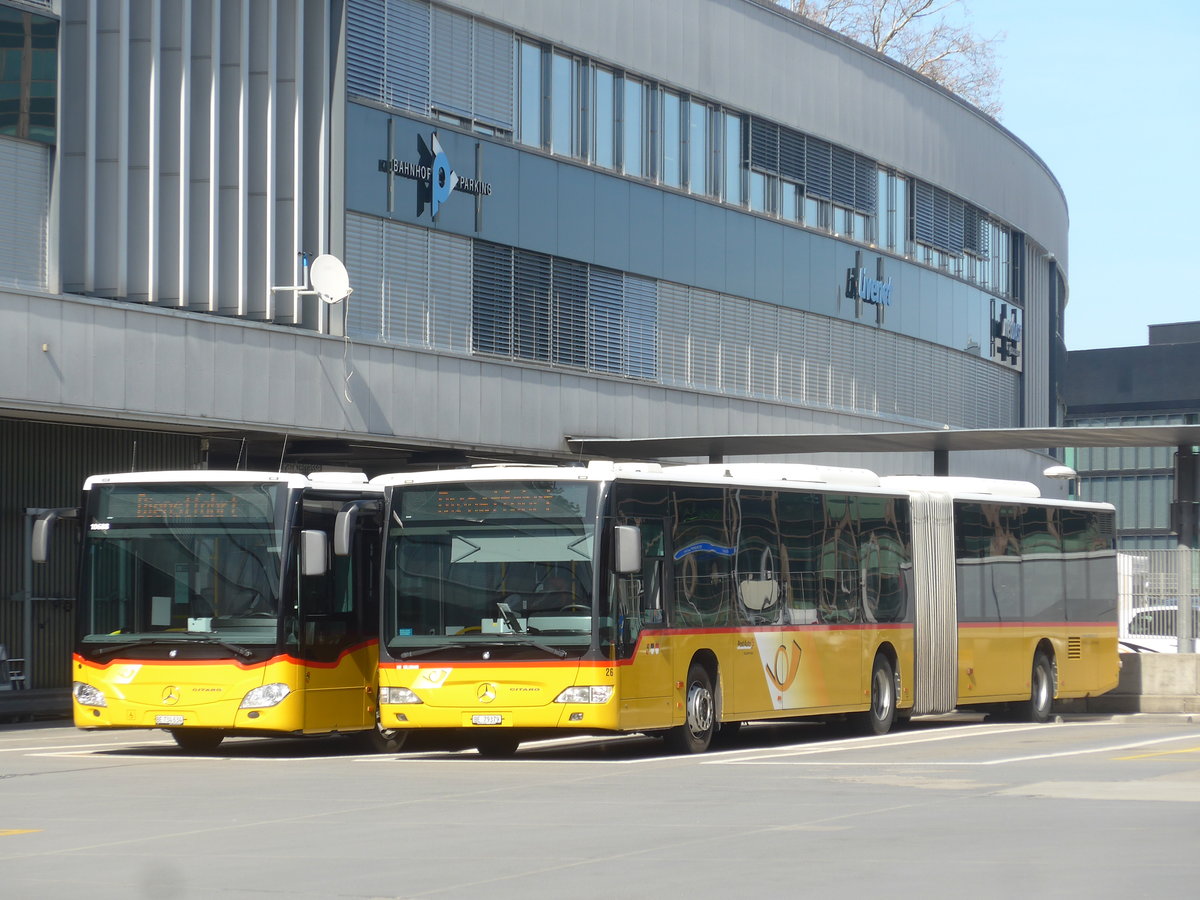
702 557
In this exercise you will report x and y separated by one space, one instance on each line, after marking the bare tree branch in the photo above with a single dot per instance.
918 34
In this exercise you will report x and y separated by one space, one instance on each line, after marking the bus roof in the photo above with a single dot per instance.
778 475
765 474
317 480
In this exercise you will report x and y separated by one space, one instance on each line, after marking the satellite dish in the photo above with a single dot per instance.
329 278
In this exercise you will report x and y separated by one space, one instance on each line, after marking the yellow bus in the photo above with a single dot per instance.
209 605
681 601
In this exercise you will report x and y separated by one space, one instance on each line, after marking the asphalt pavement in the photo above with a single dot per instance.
1090 806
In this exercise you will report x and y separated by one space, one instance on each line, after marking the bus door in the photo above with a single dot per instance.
644 651
335 634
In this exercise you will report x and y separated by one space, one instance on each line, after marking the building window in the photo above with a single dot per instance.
603 117
633 127
28 75
671 159
529 90
732 150
564 105
698 148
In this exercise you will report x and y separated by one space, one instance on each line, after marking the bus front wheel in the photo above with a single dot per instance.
198 740
700 716
497 745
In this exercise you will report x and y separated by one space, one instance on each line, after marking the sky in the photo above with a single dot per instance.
1108 95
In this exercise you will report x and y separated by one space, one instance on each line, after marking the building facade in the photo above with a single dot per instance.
1154 384
625 219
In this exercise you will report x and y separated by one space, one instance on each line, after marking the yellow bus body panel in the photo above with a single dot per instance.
761 674
995 662
323 698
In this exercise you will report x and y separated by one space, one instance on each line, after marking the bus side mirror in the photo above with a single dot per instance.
347 519
314 553
43 527
627 549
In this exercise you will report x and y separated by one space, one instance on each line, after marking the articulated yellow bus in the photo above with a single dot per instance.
210 605
519 601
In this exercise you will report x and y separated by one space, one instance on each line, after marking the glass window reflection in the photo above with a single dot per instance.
672 164
602 118
633 128
530 90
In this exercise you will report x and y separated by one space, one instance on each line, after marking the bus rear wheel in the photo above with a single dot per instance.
879 718
1041 689
198 740
700 716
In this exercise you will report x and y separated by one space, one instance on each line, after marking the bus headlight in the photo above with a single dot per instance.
596 693
86 695
267 695
398 695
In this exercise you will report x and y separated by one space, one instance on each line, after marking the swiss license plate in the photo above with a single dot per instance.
168 720
487 720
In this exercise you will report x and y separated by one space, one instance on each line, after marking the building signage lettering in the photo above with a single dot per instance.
1006 333
860 286
436 180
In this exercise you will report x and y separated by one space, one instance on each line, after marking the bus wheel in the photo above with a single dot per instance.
198 740
878 719
497 746
1041 684
382 740
700 721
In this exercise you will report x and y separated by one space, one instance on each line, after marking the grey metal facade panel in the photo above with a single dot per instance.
645 227
760 60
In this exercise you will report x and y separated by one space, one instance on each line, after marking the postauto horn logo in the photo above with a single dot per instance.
436 180
442 179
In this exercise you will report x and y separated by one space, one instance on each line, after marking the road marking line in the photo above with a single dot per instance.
772 760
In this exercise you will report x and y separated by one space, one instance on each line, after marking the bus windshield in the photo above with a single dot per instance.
497 562
172 562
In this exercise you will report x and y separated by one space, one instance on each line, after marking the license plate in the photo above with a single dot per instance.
486 720
168 720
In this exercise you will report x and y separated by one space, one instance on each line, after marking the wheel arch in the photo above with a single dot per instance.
708 659
1045 646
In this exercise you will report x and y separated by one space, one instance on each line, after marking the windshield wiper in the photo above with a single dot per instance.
529 642
422 651
520 642
237 649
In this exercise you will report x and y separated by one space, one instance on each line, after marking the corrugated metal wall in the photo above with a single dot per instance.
194 143
43 465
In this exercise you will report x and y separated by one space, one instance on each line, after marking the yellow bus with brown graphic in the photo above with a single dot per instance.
519 601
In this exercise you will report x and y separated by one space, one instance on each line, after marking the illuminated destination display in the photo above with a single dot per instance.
496 501
196 503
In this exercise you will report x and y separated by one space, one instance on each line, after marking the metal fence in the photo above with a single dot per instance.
1151 586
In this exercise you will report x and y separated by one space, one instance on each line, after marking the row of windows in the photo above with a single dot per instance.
498 301
1111 459
743 555
1017 561
455 68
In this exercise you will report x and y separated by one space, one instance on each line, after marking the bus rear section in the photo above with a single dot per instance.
1020 590
210 605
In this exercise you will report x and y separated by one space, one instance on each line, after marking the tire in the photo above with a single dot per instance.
695 735
879 718
498 746
1041 690
198 740
381 740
